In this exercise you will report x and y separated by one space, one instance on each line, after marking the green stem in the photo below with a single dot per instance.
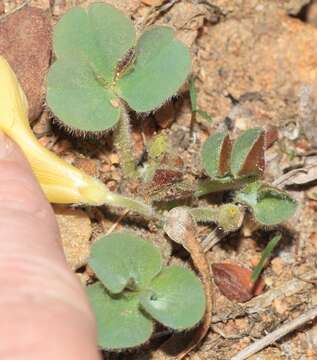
212 186
117 200
124 145
205 214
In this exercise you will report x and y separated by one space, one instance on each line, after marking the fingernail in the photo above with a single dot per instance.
6 146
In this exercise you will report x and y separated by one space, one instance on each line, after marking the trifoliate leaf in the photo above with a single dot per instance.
176 298
215 154
123 260
120 323
161 67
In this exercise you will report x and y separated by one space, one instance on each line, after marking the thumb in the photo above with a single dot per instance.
44 312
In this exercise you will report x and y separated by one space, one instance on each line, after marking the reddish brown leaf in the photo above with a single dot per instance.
235 282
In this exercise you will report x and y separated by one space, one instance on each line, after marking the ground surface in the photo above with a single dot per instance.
255 63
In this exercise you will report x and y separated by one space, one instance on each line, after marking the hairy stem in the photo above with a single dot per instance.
117 200
205 214
124 145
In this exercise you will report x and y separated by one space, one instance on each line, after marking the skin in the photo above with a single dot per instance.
43 309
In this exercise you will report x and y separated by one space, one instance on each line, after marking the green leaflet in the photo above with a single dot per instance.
123 259
120 323
176 298
274 207
77 99
161 67
99 36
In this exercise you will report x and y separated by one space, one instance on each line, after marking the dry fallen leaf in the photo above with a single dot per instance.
301 176
235 282
75 229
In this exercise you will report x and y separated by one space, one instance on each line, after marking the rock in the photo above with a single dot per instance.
25 41
75 229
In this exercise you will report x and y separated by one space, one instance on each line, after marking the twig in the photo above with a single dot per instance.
19 7
277 334
112 228
292 287
262 302
213 238
155 12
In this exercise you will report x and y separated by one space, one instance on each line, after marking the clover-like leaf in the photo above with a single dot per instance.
123 260
94 68
161 67
270 206
215 154
176 298
247 157
120 323
88 46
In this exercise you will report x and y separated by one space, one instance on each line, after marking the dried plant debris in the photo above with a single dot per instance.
235 282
